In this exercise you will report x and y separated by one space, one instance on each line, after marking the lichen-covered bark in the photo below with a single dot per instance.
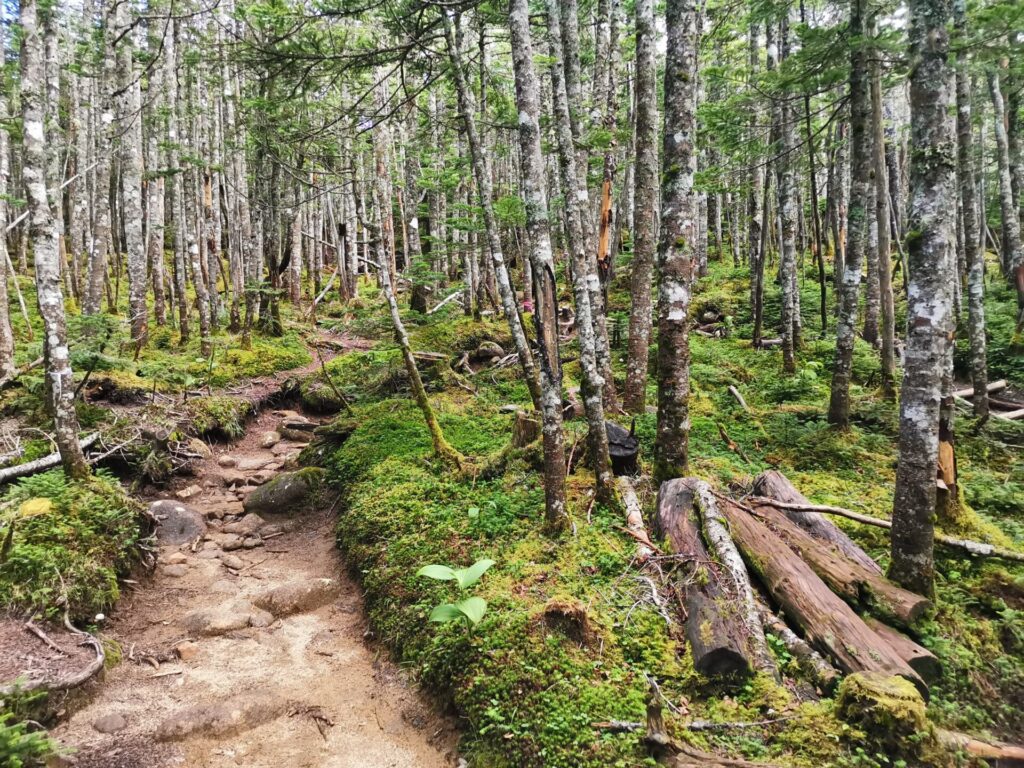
677 240
789 212
130 129
60 384
591 380
930 259
887 327
645 228
543 271
974 253
858 218
7 367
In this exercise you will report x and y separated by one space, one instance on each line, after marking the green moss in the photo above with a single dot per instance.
70 548
217 416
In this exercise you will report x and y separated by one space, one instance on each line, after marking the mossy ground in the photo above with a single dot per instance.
528 690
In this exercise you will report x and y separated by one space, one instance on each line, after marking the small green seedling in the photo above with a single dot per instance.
472 608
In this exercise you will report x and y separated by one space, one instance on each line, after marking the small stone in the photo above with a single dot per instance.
175 570
223 586
226 461
270 439
199 447
285 450
260 618
296 596
176 558
210 554
230 477
189 492
233 562
187 650
110 723
247 525
230 541
252 542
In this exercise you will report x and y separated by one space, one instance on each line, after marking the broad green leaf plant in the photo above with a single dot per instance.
470 609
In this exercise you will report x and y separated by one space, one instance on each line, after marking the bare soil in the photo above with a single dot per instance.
298 690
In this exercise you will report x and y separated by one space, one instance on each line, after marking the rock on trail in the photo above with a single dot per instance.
245 648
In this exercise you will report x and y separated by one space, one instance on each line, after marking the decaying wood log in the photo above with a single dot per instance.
920 659
846 578
718 638
977 548
827 622
525 429
994 386
776 485
812 663
46 462
720 541
1018 414
634 518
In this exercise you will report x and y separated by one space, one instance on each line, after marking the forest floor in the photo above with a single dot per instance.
208 678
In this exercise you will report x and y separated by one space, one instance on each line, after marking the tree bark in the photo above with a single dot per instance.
1013 251
42 228
930 260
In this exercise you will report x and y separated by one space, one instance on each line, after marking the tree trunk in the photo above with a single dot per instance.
677 240
644 222
857 216
789 210
592 383
545 316
929 302
59 378
7 367
881 180
1013 252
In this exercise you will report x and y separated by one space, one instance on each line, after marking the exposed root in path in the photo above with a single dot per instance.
246 648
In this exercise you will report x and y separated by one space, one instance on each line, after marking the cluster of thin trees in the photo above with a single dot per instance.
224 159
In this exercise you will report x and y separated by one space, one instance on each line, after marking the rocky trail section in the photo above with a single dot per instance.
247 645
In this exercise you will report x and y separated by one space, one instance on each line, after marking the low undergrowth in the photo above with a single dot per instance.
571 631
66 543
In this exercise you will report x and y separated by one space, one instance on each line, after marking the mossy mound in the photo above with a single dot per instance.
218 416
68 542
888 710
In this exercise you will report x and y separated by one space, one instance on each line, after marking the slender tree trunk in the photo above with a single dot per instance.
57 356
677 240
929 304
482 172
881 180
130 124
101 198
7 367
788 210
591 381
543 270
645 227
973 235
857 216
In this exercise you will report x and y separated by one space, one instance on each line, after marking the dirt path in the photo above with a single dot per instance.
250 657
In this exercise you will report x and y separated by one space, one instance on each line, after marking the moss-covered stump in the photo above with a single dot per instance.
285 492
889 710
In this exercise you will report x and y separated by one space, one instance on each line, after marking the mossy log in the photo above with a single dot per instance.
776 485
920 659
827 622
850 580
718 638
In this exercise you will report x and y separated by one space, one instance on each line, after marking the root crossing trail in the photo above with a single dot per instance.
246 647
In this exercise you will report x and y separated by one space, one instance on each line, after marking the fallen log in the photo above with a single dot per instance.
718 638
776 485
720 540
976 548
828 623
1018 414
920 659
635 519
850 580
739 398
993 386
46 462
996 755
811 663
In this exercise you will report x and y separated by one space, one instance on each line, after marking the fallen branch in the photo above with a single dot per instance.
330 382
20 372
635 519
998 753
993 386
46 462
812 663
739 398
449 298
976 548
